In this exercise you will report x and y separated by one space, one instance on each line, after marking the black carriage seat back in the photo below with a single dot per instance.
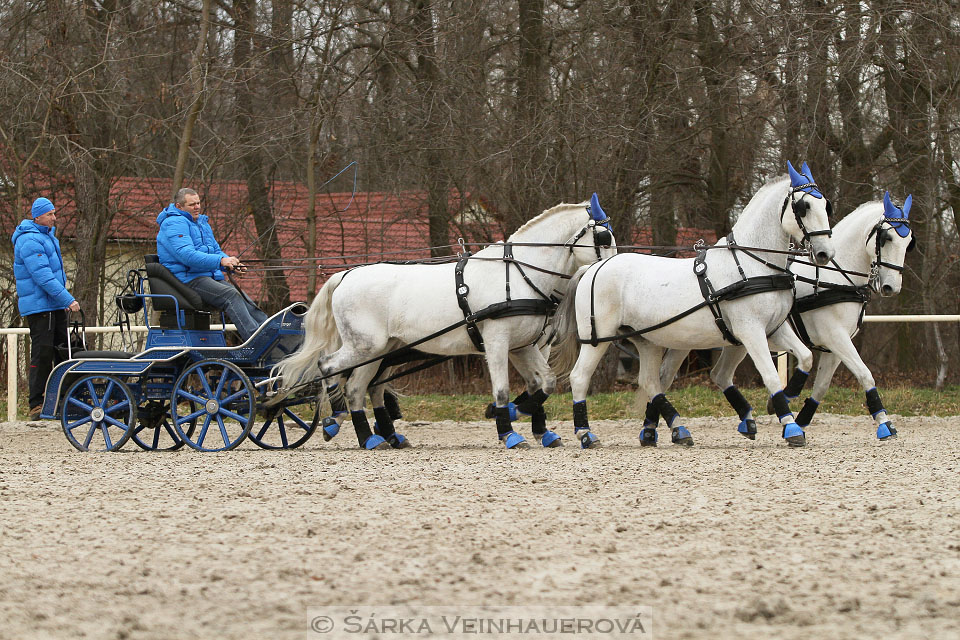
99 355
163 283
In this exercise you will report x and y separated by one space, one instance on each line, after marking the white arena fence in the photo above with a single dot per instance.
15 370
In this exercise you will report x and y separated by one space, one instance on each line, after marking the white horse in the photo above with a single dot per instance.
872 242
495 302
738 290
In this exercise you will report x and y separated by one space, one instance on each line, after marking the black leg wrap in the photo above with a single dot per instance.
651 417
665 409
384 426
338 404
530 404
795 385
874 406
806 412
361 426
781 405
392 405
538 421
580 416
503 420
737 401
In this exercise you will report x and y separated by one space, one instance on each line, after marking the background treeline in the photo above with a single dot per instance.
675 112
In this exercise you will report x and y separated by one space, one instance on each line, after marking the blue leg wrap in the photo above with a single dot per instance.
651 417
781 405
383 423
361 426
794 435
398 441
886 430
330 428
664 408
551 439
580 416
512 439
588 440
680 435
748 428
648 437
737 401
375 442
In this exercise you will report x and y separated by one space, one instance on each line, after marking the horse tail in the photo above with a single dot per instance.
321 337
566 348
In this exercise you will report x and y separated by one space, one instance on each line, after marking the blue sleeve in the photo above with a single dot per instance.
175 235
38 263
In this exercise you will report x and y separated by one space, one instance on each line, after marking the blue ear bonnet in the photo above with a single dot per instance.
897 217
596 213
803 180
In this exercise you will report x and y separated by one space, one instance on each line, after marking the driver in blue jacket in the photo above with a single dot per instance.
42 296
186 246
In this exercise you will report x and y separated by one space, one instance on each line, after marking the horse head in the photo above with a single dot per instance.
889 241
810 222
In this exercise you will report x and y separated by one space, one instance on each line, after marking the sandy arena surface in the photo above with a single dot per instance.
847 538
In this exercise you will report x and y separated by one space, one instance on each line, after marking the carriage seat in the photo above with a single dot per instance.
196 315
95 355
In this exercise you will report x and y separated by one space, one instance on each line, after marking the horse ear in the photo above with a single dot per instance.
795 178
595 211
889 210
805 170
906 206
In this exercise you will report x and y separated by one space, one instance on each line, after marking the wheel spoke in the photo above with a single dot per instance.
223 380
119 405
234 396
300 422
106 435
93 429
266 426
230 414
170 431
203 381
223 432
156 438
93 393
106 394
183 393
80 404
283 431
203 431
190 417
84 420
115 422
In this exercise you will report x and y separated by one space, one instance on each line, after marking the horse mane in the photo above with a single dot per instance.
549 213
854 223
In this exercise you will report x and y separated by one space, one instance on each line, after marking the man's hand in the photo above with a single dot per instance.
74 306
231 263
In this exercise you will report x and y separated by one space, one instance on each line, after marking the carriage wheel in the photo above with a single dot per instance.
225 405
285 428
155 432
98 413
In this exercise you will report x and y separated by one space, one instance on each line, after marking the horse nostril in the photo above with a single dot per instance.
886 290
822 257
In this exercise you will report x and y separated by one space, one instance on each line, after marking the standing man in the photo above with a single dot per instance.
186 246
42 295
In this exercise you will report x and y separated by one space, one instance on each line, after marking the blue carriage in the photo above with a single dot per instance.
188 386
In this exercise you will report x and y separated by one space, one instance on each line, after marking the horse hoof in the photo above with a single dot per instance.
680 435
748 428
794 435
886 431
376 443
330 428
648 437
550 439
588 440
513 440
398 441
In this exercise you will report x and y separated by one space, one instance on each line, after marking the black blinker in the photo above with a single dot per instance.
829 209
800 207
913 244
603 238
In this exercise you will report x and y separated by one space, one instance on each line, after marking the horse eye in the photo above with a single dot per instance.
884 237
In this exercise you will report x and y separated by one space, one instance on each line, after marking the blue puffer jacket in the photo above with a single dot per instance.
187 246
38 269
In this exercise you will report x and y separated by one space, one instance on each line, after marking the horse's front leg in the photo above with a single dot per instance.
541 381
650 361
497 356
722 375
755 342
826 367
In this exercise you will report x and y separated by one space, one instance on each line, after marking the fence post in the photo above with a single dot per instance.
12 359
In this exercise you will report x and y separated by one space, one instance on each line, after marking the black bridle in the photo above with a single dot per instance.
800 208
602 238
881 234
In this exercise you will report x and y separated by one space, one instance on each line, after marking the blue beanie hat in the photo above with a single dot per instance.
40 207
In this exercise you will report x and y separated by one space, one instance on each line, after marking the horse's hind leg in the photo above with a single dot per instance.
356 388
650 361
540 380
826 367
722 375
383 416
580 377
338 409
